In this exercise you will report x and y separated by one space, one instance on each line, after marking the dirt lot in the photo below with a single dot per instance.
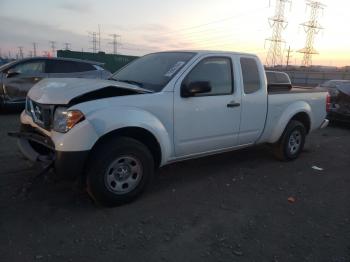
231 207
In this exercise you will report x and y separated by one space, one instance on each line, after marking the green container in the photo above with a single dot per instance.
111 62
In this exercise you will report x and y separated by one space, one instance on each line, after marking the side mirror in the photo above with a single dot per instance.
11 73
193 88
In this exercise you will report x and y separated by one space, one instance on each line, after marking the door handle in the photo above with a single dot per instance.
233 104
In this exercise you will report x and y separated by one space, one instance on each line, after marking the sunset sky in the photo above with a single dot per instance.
154 25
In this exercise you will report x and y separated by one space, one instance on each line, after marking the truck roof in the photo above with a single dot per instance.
209 52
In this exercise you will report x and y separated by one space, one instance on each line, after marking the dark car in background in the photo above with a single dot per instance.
339 104
17 77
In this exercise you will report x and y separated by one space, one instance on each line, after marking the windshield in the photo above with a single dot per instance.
153 71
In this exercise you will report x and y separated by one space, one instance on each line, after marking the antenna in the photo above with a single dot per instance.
278 23
312 28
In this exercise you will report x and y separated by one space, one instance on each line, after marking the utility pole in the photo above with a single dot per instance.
278 23
67 46
115 43
35 45
288 57
53 47
312 28
20 52
99 38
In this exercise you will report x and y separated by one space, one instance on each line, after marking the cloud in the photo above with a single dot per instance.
24 32
83 7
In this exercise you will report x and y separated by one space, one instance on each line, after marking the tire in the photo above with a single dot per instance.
120 170
291 142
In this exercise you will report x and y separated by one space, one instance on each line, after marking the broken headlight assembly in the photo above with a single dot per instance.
65 119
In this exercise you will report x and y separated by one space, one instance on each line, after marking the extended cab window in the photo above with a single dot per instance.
251 76
215 70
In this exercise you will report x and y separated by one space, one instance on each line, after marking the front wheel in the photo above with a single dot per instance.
119 172
292 141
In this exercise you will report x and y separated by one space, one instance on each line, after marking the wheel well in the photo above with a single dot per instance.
304 119
140 134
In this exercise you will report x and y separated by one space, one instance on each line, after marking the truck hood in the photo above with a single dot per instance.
62 91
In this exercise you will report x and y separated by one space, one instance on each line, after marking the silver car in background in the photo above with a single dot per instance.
17 77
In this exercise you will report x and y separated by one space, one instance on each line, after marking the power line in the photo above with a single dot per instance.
252 12
278 23
312 28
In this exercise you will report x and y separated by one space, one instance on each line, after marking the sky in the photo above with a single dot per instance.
147 26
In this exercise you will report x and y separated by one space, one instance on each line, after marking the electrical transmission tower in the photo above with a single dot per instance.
115 43
53 47
67 46
278 23
94 41
20 52
35 45
312 28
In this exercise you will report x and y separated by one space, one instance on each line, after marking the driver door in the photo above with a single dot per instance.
207 121
21 77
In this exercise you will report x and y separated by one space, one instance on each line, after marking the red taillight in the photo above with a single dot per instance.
328 102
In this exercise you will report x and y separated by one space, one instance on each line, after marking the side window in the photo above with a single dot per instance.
271 78
215 70
30 67
57 66
61 66
251 76
82 67
282 78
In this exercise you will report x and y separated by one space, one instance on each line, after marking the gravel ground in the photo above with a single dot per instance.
239 206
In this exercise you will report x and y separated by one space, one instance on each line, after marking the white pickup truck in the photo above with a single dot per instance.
162 108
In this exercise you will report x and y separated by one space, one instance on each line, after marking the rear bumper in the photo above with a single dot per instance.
40 148
324 123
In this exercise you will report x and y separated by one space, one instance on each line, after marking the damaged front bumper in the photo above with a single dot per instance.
39 148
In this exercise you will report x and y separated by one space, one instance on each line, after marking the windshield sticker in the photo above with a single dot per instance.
174 68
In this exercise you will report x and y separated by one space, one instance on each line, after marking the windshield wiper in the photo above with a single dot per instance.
128 81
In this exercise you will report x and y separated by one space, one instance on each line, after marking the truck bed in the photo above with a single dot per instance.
296 89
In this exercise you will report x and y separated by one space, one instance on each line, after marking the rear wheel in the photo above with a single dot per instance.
119 172
292 141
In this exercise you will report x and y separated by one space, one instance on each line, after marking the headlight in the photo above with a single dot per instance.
64 119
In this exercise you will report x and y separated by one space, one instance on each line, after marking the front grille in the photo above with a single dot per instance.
41 114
